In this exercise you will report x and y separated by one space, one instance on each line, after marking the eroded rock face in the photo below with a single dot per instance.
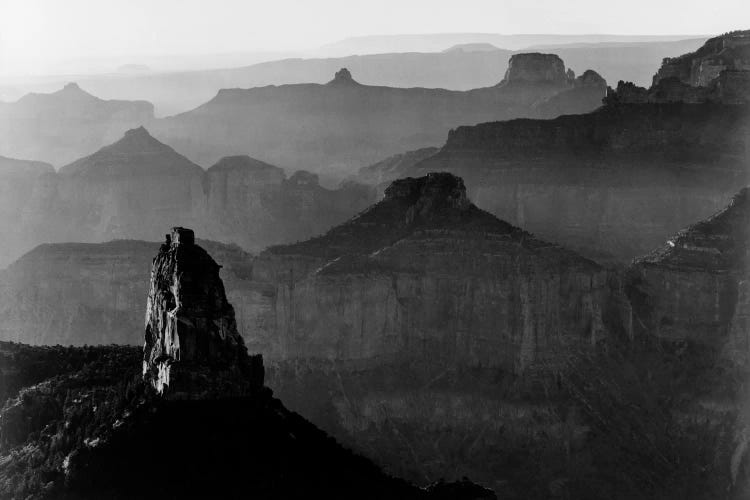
424 274
192 348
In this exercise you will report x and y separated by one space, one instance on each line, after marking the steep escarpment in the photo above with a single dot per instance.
65 125
424 274
338 127
695 286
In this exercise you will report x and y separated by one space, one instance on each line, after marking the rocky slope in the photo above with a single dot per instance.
343 125
425 275
138 185
65 125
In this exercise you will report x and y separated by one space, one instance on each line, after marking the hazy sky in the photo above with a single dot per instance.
39 35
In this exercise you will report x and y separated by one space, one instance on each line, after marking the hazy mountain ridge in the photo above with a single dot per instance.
615 181
67 124
135 187
177 92
338 128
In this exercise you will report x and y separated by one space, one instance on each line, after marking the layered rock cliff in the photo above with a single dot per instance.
424 274
730 51
695 287
65 125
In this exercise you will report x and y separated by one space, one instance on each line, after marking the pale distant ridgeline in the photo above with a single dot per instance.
137 186
332 128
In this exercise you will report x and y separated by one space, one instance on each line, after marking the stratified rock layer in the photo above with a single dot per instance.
695 287
424 274
192 347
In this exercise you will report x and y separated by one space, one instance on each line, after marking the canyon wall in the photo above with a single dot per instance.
424 274
695 287
612 184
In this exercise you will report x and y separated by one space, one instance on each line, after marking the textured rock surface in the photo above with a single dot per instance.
695 287
65 125
424 274
192 348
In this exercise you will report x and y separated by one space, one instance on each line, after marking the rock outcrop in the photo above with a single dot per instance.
719 71
730 51
65 125
343 77
192 348
536 68
695 287
425 275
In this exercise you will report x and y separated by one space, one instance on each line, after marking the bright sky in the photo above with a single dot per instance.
38 35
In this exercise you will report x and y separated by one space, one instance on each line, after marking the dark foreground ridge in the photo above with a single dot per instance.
86 423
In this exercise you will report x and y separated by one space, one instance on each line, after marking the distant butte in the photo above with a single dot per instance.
343 77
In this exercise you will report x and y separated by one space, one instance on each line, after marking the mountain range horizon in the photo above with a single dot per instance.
444 266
